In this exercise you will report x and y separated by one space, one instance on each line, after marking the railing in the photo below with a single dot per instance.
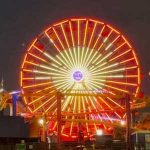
141 146
75 146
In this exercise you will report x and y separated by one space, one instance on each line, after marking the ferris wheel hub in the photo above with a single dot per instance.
78 75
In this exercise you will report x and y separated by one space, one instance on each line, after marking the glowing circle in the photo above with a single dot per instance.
75 50
77 76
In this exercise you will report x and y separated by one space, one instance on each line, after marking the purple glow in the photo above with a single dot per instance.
77 75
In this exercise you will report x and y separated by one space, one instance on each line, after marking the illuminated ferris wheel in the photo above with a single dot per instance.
80 58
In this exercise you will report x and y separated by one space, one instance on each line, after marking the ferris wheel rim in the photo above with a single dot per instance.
66 52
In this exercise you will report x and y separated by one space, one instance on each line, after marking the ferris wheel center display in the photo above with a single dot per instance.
82 56
77 75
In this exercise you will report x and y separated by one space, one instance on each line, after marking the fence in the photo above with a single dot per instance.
100 146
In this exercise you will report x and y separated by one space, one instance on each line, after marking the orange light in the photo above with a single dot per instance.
62 22
58 38
92 35
120 55
71 33
98 36
85 33
35 85
78 32
52 42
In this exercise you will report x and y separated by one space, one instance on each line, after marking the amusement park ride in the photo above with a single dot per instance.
79 70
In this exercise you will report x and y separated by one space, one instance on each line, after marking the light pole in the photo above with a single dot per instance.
42 122
59 118
128 120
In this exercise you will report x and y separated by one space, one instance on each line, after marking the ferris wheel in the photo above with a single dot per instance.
81 57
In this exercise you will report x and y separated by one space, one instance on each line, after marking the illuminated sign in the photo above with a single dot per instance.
77 75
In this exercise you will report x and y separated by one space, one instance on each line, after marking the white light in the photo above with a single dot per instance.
1 90
99 132
122 122
51 40
41 121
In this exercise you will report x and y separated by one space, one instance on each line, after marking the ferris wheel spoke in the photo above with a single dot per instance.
110 44
97 81
107 56
71 60
61 68
105 40
62 27
43 66
74 110
64 86
117 76
119 116
115 102
54 103
89 58
39 58
105 102
66 117
78 22
120 55
86 56
64 61
44 90
41 97
95 86
118 47
127 61
58 38
91 111
75 56
98 37
85 33
111 120
100 108
38 78
95 24
52 41
112 87
47 55
43 104
122 83
36 85
91 101
90 62
35 71
110 66
84 110
108 72
101 60
82 55
118 89
72 36
66 103
101 118
95 64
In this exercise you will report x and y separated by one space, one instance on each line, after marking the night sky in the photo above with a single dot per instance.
22 20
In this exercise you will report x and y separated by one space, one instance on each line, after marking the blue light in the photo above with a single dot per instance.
77 75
